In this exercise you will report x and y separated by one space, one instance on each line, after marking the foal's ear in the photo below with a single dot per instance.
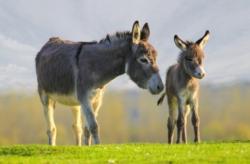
145 32
136 32
180 43
203 40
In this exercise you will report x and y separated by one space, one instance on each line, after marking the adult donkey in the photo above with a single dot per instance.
75 73
182 87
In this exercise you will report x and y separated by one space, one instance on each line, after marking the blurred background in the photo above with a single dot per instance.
128 114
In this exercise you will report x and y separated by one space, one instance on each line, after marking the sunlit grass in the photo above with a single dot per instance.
222 152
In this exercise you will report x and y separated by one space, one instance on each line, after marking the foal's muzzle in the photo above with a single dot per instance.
155 85
199 72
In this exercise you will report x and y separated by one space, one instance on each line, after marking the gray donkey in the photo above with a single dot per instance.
75 73
182 87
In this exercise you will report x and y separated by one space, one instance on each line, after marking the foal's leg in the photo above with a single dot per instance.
49 107
180 119
77 124
184 132
195 120
171 119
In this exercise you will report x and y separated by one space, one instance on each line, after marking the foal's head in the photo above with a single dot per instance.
141 65
192 55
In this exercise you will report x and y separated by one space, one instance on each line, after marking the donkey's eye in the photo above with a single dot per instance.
189 59
143 60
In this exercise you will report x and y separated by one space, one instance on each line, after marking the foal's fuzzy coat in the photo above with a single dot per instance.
182 87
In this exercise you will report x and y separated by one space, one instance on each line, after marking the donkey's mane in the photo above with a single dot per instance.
126 35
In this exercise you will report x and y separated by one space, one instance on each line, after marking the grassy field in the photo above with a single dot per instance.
224 152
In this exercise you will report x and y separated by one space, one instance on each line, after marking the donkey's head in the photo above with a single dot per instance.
192 55
141 65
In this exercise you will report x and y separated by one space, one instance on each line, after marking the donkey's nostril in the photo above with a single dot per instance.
159 87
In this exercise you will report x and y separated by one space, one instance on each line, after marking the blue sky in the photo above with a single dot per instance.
25 25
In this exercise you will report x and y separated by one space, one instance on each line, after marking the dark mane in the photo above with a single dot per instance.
119 35
125 35
181 56
189 43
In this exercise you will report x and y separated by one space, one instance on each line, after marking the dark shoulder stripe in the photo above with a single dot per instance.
79 49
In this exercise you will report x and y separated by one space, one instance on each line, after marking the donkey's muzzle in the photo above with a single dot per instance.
155 85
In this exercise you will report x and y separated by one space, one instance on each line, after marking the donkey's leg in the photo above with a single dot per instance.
96 104
184 132
91 122
171 119
49 106
77 124
195 120
180 120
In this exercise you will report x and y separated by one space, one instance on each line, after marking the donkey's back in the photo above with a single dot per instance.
56 66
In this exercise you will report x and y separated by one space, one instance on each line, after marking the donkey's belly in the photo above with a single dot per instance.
70 100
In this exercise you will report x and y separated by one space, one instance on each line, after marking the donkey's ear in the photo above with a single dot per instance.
145 32
136 32
203 40
180 43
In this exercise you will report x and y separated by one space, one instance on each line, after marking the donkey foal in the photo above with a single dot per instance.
182 87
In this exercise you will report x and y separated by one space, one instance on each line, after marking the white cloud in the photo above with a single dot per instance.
12 44
16 64
16 77
11 68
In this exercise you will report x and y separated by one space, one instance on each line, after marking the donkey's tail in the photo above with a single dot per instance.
159 102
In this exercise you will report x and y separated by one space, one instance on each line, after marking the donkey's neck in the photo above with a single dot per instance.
108 61
118 54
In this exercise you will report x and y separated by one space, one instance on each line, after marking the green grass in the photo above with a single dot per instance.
223 152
